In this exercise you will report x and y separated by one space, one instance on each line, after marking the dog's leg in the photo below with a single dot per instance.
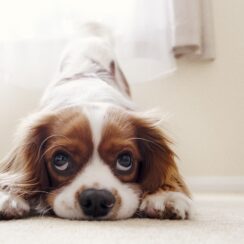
167 205
12 206
171 201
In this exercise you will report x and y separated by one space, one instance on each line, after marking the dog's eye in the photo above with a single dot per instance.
61 161
124 162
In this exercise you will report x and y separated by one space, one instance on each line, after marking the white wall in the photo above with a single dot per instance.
205 101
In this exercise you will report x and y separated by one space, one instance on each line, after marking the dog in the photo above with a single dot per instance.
88 153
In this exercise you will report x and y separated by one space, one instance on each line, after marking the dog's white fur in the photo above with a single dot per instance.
86 56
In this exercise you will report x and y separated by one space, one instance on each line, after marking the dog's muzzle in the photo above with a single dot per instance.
96 203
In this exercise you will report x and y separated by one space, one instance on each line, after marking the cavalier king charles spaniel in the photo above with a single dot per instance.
87 153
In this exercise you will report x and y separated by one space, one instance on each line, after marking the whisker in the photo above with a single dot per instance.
46 139
147 140
139 214
45 211
59 145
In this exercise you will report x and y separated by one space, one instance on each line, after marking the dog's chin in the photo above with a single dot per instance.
82 217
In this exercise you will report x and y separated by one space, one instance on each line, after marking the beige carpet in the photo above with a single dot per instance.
219 219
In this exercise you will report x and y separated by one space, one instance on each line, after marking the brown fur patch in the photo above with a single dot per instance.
117 138
66 130
155 166
159 169
75 139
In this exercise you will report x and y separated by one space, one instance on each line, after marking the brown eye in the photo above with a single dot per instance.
61 162
124 162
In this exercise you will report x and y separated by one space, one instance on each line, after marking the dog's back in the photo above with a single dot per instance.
88 66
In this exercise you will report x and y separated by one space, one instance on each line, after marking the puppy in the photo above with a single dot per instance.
87 153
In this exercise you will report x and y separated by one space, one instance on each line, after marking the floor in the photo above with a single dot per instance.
219 219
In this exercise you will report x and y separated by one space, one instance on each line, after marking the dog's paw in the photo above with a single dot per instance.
12 207
167 205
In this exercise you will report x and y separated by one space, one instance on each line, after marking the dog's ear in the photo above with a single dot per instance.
157 167
24 169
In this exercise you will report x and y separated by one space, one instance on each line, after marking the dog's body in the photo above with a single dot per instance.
87 153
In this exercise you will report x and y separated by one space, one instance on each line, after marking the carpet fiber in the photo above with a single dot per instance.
219 219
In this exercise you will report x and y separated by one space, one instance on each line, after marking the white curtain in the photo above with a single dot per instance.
34 32
148 34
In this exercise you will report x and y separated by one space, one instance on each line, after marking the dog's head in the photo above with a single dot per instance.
93 162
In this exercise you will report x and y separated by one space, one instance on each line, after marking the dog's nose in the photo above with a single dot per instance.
96 203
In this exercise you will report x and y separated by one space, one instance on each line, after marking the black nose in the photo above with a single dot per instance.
96 203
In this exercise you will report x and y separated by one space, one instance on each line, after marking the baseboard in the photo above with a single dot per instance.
222 184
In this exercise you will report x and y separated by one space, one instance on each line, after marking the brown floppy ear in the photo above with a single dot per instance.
24 170
157 167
